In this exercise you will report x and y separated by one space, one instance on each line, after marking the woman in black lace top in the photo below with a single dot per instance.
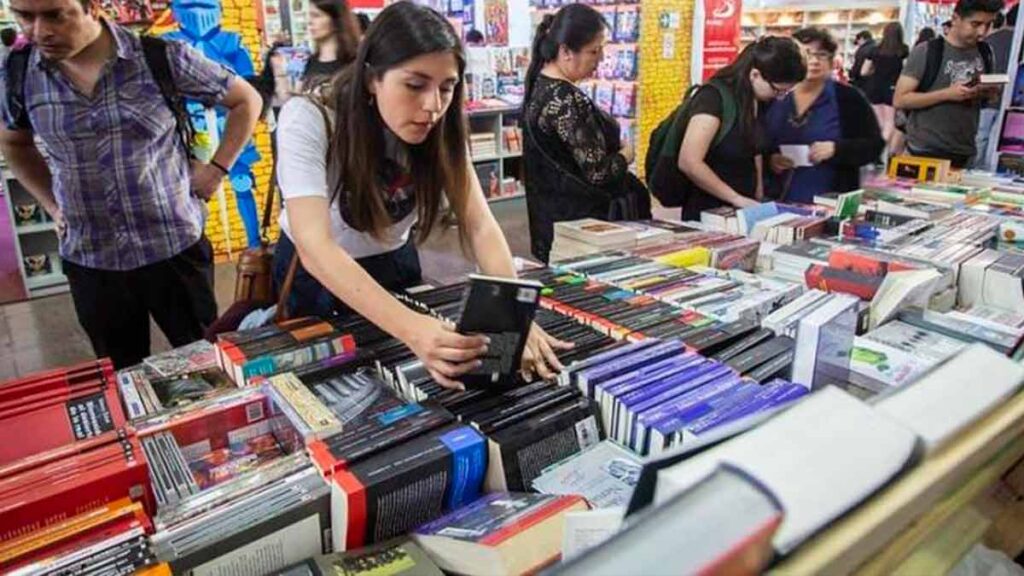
575 162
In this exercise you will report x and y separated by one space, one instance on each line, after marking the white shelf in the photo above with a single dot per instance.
36 228
34 283
509 197
495 157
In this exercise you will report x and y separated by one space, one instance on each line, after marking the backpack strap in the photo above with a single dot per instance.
988 57
155 52
933 61
16 71
729 111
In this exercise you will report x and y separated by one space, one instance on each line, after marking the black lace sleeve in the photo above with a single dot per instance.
571 118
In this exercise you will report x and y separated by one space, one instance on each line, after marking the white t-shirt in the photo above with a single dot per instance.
302 172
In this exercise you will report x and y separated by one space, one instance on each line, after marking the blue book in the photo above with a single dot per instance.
665 394
645 420
591 377
571 376
624 407
682 374
605 393
662 431
746 218
767 398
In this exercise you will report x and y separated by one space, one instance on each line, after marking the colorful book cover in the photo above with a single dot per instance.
625 100
627 24
604 96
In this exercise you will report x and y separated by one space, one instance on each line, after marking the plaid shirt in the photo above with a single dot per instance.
120 174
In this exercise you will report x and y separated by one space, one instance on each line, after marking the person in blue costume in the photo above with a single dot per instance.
833 120
199 24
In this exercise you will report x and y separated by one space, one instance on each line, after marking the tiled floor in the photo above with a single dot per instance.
44 333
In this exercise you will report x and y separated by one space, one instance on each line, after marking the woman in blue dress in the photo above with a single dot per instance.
835 121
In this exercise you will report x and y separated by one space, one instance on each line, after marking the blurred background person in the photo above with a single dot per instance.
881 70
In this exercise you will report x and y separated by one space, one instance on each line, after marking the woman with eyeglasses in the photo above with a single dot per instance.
718 162
834 121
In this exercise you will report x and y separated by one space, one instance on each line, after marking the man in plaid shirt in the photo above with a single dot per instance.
116 177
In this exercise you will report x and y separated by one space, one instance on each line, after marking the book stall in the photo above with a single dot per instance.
824 388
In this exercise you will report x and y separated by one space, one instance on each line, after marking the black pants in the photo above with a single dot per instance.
114 306
396 270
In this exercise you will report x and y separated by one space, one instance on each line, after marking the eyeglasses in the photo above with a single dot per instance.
779 92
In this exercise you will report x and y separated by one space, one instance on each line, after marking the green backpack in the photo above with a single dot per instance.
667 138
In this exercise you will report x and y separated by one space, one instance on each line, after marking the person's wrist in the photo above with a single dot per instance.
220 167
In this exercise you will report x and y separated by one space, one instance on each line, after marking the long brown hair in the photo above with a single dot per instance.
346 27
401 32
892 41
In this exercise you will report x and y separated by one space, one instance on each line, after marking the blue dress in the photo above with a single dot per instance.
820 123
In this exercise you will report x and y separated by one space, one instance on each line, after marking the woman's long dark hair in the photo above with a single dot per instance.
401 32
892 41
346 27
925 35
573 26
779 61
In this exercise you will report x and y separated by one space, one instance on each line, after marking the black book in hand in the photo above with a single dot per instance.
501 309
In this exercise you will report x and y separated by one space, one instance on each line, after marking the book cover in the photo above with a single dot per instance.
394 491
512 533
401 557
604 474
500 309
518 454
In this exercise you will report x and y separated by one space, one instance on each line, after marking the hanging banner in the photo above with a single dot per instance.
721 33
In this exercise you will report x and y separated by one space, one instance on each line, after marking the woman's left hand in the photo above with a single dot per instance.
539 355
822 152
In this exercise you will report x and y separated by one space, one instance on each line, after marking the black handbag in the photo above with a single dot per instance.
629 201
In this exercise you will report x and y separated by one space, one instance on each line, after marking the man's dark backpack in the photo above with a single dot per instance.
669 186
155 52
933 62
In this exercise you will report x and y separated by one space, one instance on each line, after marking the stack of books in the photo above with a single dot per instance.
250 354
75 492
173 380
483 144
656 394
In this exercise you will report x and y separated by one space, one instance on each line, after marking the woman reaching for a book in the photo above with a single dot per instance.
379 155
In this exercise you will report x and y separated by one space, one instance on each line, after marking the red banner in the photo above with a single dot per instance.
721 34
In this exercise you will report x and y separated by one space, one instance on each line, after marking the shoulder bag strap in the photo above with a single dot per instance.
293 266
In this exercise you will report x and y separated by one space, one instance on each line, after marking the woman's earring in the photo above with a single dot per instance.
371 101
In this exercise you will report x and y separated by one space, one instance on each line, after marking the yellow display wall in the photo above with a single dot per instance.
241 16
665 52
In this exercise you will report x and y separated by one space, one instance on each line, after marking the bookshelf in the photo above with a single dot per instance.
843 22
35 243
498 164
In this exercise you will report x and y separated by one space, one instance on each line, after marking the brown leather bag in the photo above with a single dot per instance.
254 276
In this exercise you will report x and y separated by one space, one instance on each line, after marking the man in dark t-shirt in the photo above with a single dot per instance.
943 119
864 43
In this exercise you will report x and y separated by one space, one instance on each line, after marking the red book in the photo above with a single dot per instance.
56 501
60 420
830 279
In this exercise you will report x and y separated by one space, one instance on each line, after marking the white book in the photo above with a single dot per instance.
954 395
820 458
899 290
824 339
